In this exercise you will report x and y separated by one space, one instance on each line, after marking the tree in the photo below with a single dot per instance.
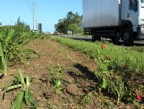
74 28
72 22
61 26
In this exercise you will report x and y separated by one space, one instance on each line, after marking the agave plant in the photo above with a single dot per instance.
3 62
13 43
12 48
24 95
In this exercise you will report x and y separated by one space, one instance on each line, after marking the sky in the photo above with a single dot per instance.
47 12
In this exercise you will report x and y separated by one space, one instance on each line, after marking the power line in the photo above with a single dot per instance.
28 5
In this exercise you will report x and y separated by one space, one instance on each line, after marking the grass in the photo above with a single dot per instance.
120 70
126 59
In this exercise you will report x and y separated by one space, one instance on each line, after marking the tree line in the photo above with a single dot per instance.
72 22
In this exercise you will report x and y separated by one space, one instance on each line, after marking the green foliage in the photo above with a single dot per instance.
85 99
18 101
117 87
73 27
57 83
120 70
21 26
72 22
13 43
24 95
56 77
3 62
109 81
20 77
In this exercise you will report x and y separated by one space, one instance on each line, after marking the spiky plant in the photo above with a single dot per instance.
13 43
3 62
24 95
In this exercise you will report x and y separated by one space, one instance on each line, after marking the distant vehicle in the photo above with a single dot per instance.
114 19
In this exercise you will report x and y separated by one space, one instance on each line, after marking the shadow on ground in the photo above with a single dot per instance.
85 73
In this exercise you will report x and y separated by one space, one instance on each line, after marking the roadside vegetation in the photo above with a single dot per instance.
13 40
120 70
12 43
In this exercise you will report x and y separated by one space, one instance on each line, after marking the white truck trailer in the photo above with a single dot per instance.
114 19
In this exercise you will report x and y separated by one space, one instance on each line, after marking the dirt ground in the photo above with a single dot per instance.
78 82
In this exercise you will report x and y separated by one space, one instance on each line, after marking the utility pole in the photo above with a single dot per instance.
36 23
0 22
33 15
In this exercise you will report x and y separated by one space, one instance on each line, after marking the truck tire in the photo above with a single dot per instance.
116 38
96 38
127 37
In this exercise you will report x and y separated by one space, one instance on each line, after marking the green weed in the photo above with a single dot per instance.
85 99
56 75
24 95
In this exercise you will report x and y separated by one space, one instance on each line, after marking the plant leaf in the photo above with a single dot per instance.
27 97
9 88
33 100
1 72
20 77
27 81
18 101
104 83
5 90
13 87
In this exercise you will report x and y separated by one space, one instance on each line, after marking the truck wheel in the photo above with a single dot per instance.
95 37
116 39
127 37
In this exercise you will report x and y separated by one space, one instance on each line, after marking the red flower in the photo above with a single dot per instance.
103 46
139 98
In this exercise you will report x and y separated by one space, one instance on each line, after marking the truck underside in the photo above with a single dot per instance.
115 33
